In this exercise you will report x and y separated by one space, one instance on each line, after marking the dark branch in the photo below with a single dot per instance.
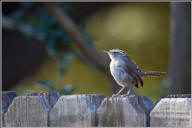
72 30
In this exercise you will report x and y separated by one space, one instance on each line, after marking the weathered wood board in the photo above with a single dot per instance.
49 109
75 110
50 97
31 110
172 112
130 111
7 98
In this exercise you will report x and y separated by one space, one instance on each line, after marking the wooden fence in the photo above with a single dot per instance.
51 109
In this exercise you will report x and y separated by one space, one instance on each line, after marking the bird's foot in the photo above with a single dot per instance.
128 95
125 95
114 95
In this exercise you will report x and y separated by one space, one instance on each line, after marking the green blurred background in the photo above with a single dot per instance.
142 30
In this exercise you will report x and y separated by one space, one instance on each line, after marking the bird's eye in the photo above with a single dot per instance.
115 52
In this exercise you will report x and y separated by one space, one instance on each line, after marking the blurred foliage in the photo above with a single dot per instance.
50 87
140 29
57 42
41 20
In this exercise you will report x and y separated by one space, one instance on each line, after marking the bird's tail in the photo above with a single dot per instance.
153 73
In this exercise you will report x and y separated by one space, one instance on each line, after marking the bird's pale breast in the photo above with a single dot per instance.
117 70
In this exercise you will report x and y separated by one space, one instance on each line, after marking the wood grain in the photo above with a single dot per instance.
130 111
7 98
31 110
75 110
172 112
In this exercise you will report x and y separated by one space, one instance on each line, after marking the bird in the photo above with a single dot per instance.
125 72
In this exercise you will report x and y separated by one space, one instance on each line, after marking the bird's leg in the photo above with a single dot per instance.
118 93
129 92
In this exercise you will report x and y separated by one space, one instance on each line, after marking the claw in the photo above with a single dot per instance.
114 95
125 95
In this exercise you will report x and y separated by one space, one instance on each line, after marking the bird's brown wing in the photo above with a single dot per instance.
131 68
135 75
136 85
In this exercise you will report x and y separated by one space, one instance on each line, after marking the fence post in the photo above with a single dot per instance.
28 111
75 110
50 97
172 111
127 111
7 98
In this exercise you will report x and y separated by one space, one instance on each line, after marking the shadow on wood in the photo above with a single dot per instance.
128 111
7 98
29 110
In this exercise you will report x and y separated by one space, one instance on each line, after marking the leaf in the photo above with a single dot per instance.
17 14
46 85
31 21
53 48
61 34
65 62
47 24
67 90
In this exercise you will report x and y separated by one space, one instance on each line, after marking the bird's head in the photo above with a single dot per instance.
114 53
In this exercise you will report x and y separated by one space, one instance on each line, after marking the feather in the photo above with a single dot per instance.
136 85
132 69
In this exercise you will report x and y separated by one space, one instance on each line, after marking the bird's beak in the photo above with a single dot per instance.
105 51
